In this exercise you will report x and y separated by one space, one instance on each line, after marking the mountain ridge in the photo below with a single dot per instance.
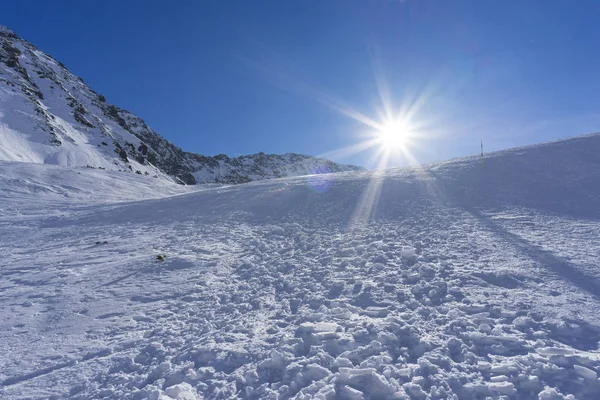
49 115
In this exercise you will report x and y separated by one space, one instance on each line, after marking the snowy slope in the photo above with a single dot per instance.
461 281
48 115
51 183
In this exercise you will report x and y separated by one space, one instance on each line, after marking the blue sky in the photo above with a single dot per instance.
239 77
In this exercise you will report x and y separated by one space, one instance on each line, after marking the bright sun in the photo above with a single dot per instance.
393 134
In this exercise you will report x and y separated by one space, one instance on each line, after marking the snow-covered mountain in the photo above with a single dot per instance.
450 281
48 115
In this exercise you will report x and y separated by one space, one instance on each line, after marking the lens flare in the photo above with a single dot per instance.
320 179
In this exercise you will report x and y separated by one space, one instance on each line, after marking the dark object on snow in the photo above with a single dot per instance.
105 242
160 258
123 155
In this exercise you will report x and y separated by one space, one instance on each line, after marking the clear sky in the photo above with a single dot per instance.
241 76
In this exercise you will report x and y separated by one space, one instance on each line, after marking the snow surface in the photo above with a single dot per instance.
461 282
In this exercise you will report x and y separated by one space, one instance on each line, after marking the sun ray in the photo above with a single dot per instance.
383 88
370 196
391 137
351 150
301 87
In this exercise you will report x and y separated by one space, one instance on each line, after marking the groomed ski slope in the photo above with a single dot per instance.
444 282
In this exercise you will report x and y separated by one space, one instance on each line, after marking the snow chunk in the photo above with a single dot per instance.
408 255
499 378
366 380
484 366
342 362
554 351
552 394
506 388
502 369
415 391
585 373
319 327
346 392
182 391
523 322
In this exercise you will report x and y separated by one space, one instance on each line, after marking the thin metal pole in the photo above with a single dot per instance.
482 160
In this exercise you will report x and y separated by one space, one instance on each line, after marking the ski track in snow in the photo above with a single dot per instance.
268 291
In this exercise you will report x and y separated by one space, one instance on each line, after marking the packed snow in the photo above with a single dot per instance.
449 281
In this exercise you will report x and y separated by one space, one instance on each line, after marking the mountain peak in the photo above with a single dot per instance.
5 31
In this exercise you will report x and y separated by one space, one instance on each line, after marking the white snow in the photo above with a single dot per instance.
586 373
463 283
28 123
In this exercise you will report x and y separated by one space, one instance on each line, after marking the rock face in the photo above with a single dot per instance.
48 115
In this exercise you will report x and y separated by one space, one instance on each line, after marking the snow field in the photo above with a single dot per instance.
272 290
298 312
